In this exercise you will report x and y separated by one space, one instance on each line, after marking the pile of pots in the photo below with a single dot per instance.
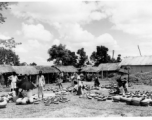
55 100
3 102
4 99
110 86
26 100
98 96
137 98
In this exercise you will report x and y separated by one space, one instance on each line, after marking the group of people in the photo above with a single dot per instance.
16 84
75 78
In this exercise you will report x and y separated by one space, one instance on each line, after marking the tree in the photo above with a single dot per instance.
82 57
8 57
100 56
3 5
33 64
62 56
119 58
23 64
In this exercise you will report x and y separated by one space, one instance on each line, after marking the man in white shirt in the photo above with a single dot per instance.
40 84
13 79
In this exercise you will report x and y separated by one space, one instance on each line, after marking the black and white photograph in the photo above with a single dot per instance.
75 59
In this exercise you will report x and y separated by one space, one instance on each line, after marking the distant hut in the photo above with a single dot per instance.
89 72
105 69
137 64
31 71
49 73
5 71
89 69
66 69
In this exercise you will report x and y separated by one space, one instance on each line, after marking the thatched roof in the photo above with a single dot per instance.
6 69
69 69
108 66
138 60
89 69
29 70
47 69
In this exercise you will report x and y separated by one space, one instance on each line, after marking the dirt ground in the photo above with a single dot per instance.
78 107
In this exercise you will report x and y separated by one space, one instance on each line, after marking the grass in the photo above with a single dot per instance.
77 107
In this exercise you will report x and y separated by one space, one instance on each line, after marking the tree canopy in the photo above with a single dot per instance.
101 55
82 57
62 56
33 64
3 5
8 57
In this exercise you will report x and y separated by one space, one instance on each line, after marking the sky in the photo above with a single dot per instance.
119 25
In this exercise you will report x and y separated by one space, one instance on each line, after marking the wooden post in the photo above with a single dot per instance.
102 73
128 75
139 50
48 78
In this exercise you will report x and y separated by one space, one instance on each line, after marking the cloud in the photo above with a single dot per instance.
133 17
36 32
21 49
67 20
58 11
74 33
56 42
34 43
18 32
108 41
75 37
146 47
4 37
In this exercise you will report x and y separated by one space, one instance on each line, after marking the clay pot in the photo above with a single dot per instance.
116 98
136 101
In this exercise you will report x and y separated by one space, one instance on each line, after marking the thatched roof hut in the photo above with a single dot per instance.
6 69
47 69
90 69
29 70
68 69
108 67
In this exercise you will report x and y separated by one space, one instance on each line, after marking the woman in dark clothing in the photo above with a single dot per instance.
96 82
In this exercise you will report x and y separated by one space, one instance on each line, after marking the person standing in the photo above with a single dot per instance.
81 88
59 81
40 84
14 80
72 79
122 82
96 81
